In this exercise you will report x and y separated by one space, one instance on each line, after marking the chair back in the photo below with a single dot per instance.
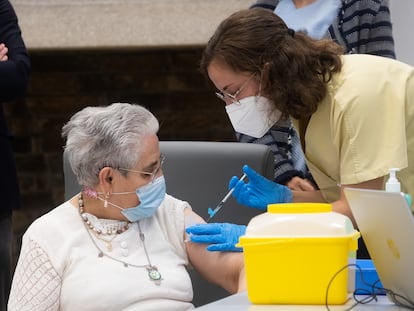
199 172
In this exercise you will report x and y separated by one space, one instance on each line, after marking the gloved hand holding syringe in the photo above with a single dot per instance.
258 193
213 212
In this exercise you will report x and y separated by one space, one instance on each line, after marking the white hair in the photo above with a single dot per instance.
106 136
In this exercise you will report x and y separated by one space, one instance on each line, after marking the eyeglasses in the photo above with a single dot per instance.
154 172
233 97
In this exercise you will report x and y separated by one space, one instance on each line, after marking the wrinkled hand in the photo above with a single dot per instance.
259 191
3 52
221 236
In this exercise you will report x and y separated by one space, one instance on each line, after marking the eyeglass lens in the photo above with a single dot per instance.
233 97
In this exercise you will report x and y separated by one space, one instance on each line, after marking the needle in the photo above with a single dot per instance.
212 212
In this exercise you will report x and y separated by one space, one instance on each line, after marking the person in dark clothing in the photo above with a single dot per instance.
14 80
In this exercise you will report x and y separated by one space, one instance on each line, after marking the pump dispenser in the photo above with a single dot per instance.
393 185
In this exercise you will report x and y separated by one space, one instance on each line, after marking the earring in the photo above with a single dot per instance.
106 200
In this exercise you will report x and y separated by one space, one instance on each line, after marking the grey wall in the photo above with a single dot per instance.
402 12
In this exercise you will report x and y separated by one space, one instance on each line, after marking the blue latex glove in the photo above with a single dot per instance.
259 191
222 236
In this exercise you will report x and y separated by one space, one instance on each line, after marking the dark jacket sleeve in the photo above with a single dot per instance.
14 73
14 80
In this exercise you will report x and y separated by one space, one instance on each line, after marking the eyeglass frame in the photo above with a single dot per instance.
233 97
153 174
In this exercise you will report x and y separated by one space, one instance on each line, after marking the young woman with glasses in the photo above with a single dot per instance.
353 112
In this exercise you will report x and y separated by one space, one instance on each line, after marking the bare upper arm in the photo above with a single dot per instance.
223 268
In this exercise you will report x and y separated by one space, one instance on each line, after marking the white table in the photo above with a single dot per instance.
240 302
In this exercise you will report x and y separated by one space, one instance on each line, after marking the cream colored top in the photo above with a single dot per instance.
364 126
59 267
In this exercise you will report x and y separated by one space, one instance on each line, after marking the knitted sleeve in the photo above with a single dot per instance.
36 284
365 27
280 140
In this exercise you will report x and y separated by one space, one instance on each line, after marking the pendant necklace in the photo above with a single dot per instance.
108 242
152 271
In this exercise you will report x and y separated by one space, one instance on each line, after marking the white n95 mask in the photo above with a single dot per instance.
253 115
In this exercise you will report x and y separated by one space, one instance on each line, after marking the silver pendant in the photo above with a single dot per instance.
153 273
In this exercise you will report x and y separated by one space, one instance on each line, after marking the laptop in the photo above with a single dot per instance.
386 224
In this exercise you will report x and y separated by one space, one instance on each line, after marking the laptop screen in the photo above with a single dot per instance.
386 224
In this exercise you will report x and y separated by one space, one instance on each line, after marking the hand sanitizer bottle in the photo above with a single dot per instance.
393 185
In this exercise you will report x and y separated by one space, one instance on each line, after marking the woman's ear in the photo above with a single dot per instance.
105 176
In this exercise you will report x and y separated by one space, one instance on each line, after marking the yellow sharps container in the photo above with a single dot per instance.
297 253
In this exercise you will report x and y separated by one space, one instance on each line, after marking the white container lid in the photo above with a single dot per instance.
299 220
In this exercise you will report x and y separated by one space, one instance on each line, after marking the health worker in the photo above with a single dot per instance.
354 113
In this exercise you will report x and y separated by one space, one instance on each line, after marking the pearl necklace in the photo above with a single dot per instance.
97 231
153 273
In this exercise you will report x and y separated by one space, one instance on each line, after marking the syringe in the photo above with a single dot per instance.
213 212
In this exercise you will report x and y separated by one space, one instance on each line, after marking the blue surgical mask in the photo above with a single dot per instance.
151 196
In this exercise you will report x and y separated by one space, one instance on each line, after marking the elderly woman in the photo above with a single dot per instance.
120 244
353 112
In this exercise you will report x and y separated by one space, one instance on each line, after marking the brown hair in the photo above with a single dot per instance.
292 67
